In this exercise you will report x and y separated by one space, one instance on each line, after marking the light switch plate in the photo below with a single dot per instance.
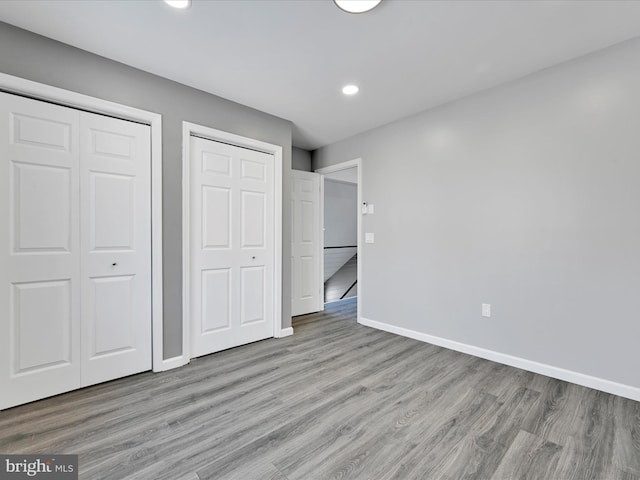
369 238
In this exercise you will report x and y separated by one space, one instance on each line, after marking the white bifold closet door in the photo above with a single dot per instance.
75 255
115 245
232 246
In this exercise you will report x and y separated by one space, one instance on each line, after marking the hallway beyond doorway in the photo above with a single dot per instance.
342 284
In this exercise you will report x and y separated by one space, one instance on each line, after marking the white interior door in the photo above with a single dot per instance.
306 288
232 248
115 201
39 245
74 200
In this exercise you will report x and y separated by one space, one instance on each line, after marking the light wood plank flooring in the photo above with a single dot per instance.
336 401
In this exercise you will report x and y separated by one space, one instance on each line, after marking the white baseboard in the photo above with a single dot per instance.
601 384
181 360
171 363
285 332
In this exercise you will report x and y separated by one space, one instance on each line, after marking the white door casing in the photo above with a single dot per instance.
45 261
361 258
306 245
231 219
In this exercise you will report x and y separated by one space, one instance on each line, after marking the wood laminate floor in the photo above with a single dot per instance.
335 401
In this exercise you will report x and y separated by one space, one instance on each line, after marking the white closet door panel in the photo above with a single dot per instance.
112 215
306 289
216 300
253 295
232 251
41 226
216 217
39 250
115 248
253 208
112 327
41 344
219 163
41 131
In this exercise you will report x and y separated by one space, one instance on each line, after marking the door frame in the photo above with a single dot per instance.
357 163
189 129
67 98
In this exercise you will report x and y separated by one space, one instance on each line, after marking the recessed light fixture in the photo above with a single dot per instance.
350 89
181 4
357 6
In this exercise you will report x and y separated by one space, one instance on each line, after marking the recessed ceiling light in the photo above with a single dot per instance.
350 89
181 4
357 6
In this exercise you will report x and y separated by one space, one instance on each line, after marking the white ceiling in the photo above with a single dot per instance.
291 58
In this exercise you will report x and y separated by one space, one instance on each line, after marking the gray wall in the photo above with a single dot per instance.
527 197
301 159
37 58
340 213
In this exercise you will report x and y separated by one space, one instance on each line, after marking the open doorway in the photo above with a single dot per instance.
341 263
340 235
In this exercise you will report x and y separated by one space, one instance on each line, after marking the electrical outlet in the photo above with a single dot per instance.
486 309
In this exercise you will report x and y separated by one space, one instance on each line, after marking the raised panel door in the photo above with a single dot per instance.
115 247
306 287
232 251
39 250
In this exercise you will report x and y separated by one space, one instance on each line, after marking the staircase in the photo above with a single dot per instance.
342 284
